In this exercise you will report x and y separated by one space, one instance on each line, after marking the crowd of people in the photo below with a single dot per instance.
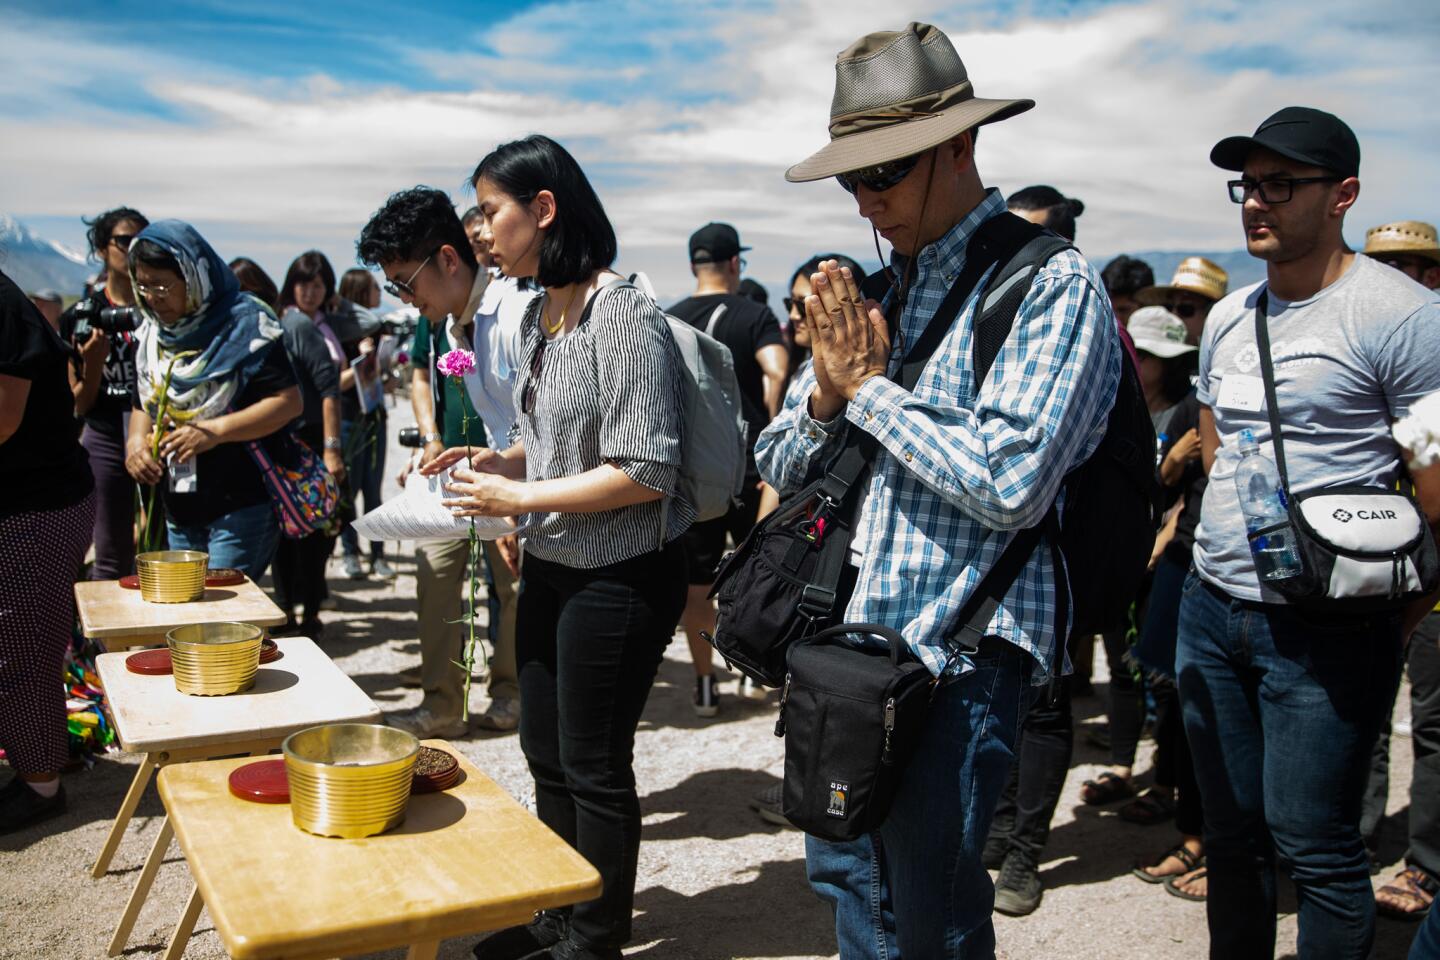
140 416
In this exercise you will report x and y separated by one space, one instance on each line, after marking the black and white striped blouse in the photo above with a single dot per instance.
608 392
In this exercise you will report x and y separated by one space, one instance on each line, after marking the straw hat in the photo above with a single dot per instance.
1405 236
1159 332
1196 275
897 94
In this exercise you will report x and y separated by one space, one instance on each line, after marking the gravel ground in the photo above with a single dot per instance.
714 882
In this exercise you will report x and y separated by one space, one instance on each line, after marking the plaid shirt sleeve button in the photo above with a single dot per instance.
909 457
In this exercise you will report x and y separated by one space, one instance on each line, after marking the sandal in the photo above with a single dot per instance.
1409 896
1172 886
1106 788
1187 859
1148 809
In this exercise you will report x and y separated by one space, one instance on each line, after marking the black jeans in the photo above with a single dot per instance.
1042 759
588 644
299 573
1422 663
1127 701
1174 767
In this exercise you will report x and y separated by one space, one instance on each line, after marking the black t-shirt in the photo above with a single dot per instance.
314 368
1192 483
745 327
226 478
42 465
112 402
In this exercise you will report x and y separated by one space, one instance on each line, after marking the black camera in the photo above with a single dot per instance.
90 314
409 437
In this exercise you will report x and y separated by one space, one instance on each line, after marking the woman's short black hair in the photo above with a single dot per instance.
1061 210
254 279
1124 275
580 240
412 225
102 228
155 256
813 264
310 265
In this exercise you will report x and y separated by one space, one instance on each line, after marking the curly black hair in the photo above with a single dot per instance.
412 225
102 228
1124 275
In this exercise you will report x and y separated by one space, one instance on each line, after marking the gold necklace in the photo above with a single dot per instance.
552 331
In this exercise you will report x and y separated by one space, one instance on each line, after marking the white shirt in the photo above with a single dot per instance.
499 307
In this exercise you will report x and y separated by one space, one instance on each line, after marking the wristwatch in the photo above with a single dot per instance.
332 443
430 438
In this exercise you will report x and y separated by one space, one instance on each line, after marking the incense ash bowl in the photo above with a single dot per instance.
172 576
213 659
349 779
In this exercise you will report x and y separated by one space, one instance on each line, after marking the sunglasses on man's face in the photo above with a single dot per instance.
403 288
880 177
1184 309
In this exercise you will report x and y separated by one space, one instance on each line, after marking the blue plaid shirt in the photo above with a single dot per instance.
958 474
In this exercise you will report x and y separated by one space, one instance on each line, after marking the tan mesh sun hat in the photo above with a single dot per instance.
1195 275
896 94
1413 237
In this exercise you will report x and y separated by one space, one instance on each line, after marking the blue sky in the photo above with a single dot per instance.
276 127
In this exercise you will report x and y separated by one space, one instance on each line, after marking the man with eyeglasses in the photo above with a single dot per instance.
1282 704
430 261
961 468
102 397
1409 246
1197 285
752 333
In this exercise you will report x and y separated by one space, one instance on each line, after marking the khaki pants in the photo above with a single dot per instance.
440 587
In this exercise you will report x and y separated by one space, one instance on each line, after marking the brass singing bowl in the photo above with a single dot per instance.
172 576
213 659
349 779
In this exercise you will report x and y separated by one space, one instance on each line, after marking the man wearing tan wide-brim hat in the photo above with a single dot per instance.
959 468
1409 246
1196 286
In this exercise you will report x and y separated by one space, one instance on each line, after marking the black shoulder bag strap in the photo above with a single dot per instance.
1267 372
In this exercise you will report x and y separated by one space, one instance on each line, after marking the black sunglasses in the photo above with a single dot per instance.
1184 309
880 177
795 303
123 240
403 288
532 379
1274 189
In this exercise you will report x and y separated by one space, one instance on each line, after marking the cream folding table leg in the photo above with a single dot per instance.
122 819
185 927
424 950
142 889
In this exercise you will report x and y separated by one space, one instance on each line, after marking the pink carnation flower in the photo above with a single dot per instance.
456 363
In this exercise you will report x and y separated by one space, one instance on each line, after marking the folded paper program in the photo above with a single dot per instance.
420 514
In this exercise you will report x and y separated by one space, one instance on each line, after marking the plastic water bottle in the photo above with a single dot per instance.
1262 500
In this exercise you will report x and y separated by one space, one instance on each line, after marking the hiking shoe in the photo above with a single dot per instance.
503 714
750 690
992 855
353 570
21 806
707 698
568 949
1018 888
381 568
766 804
425 723
515 943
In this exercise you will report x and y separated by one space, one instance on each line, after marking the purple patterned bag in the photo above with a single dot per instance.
304 494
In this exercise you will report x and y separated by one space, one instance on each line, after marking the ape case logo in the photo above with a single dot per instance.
1345 516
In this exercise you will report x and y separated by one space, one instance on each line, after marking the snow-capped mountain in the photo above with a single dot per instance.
35 263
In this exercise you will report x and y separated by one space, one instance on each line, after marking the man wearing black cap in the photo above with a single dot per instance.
1282 705
753 335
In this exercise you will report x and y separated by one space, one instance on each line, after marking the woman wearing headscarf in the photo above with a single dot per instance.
211 371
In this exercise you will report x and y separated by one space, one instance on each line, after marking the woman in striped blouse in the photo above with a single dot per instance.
593 471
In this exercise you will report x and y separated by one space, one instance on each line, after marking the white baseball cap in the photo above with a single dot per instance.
1159 332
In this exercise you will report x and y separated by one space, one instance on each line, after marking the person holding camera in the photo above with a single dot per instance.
211 376
102 328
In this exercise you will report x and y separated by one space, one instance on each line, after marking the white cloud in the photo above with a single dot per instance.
683 115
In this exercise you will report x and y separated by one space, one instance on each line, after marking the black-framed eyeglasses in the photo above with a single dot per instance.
880 177
403 288
1273 189
532 379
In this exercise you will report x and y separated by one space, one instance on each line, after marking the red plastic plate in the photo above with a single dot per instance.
219 577
131 582
155 663
261 782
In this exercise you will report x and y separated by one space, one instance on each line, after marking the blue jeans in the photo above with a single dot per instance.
916 889
244 539
1426 945
366 469
1282 710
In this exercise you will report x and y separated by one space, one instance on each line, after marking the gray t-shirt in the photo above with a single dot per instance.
1348 362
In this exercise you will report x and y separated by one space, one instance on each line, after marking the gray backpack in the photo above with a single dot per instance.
712 460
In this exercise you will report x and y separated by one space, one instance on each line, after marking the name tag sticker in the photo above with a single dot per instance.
1241 392
183 478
